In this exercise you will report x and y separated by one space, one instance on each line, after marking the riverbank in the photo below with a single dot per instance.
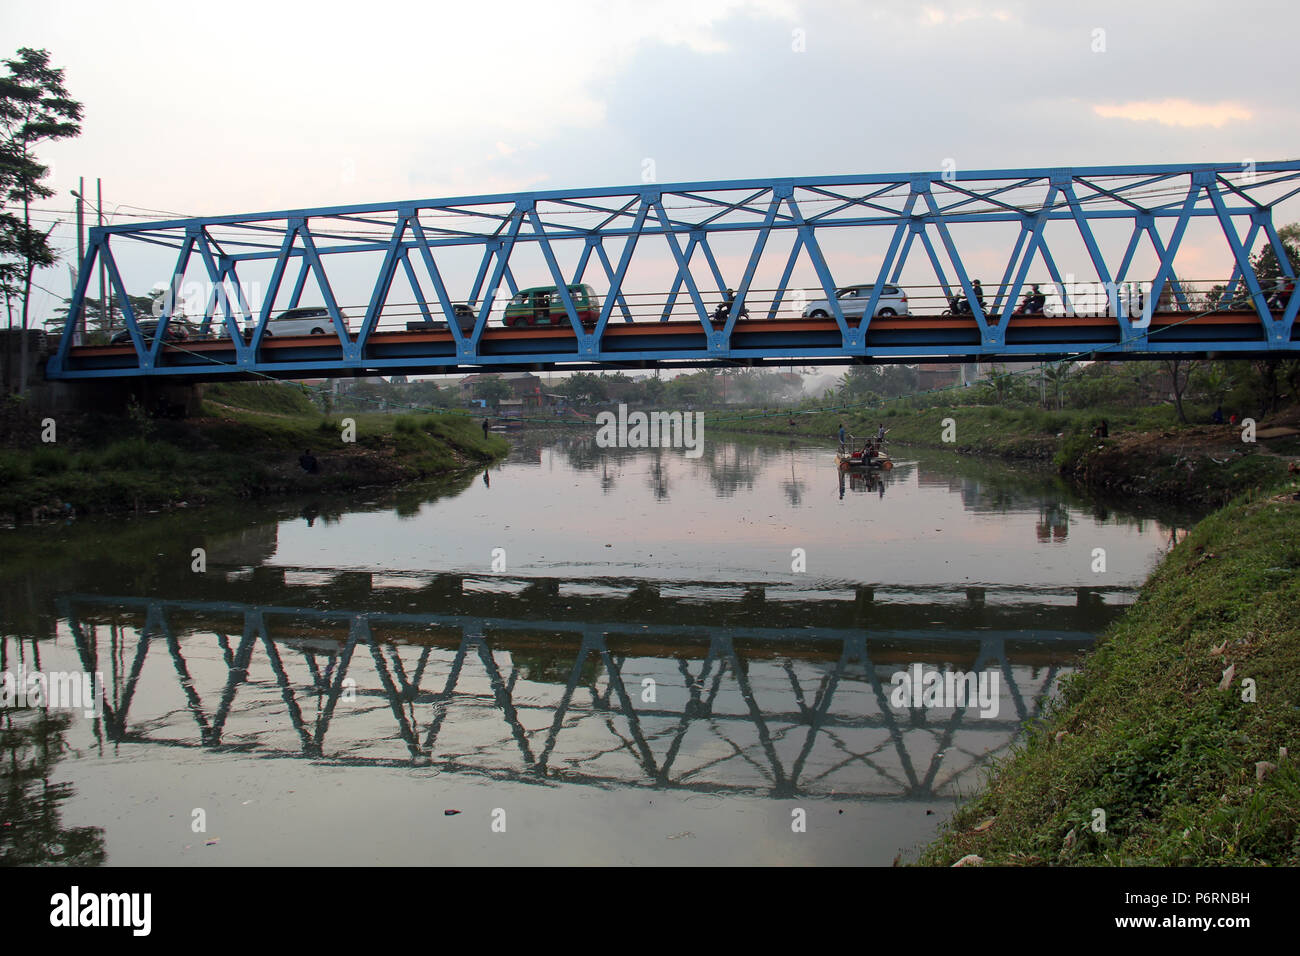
1169 746
245 444
1146 454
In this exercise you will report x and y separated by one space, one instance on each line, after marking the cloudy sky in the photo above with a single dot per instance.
239 106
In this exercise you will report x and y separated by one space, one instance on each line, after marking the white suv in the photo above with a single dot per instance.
308 320
853 301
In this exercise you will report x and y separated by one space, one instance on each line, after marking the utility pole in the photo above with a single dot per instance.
79 334
105 304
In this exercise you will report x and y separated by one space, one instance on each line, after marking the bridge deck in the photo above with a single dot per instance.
914 338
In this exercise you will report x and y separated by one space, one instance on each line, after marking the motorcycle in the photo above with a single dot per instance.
724 309
1032 304
957 305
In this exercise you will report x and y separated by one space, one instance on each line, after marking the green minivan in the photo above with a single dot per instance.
542 306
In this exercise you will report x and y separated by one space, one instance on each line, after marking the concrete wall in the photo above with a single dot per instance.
107 395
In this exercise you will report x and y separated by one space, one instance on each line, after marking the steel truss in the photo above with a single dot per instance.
597 235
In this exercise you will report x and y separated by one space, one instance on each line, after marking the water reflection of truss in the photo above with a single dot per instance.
757 710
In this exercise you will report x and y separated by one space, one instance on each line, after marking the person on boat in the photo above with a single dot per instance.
844 437
880 433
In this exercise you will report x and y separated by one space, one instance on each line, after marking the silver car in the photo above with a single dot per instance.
853 301
305 320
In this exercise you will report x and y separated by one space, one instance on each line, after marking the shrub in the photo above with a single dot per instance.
49 461
135 454
12 467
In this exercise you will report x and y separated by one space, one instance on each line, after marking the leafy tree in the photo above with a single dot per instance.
427 393
654 389
99 324
700 388
583 388
857 382
1265 262
34 108
1267 271
1057 378
1000 385
493 390
1214 380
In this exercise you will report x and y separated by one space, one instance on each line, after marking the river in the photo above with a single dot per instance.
579 656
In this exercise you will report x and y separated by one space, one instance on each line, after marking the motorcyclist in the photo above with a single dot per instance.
722 311
1282 289
1033 302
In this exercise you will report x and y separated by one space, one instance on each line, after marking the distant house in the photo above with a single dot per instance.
938 376
524 386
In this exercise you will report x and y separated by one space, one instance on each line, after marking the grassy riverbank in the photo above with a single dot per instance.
245 444
1156 730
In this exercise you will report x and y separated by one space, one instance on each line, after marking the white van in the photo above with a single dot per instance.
308 320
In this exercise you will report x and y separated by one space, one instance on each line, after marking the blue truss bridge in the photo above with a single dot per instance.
1127 262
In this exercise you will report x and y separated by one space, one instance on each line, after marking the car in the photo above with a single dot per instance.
465 318
305 320
176 332
853 301
542 306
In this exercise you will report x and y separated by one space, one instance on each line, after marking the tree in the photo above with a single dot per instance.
1057 377
858 382
1267 269
583 388
1180 373
654 389
34 108
98 324
1214 380
492 390
1001 384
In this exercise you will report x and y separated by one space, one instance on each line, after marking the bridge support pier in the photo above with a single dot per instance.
448 585
348 583
268 577
543 592
110 396
1086 597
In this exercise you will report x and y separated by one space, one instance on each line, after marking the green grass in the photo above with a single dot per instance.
1148 738
236 453
275 397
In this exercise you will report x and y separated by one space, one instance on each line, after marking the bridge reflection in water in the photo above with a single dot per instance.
602 683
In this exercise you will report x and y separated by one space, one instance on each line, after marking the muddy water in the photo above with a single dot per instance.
577 657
